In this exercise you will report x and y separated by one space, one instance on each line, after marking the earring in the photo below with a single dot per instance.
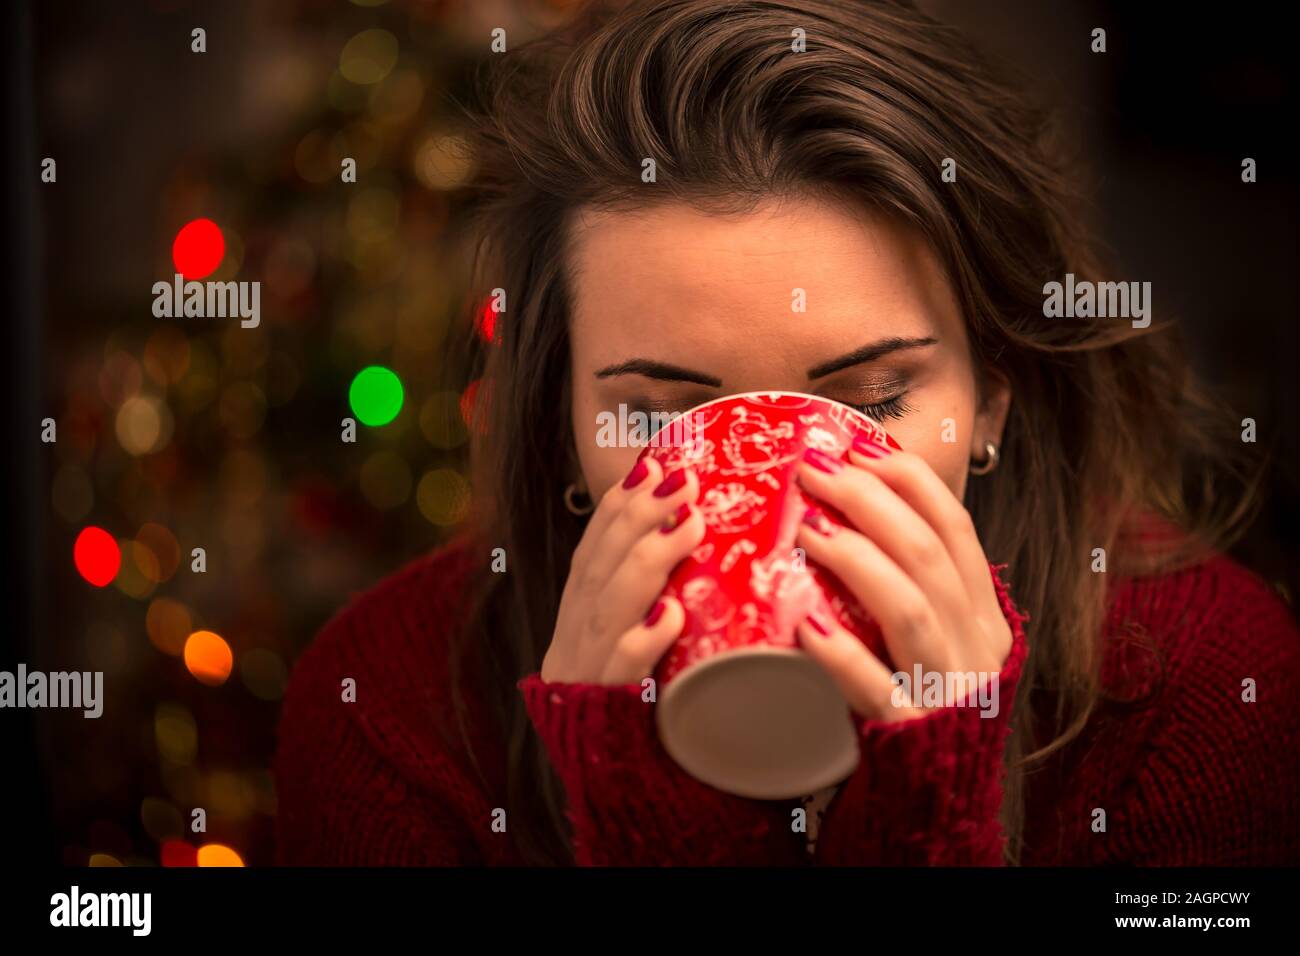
574 508
990 460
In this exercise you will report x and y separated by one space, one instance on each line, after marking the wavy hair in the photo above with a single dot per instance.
1105 423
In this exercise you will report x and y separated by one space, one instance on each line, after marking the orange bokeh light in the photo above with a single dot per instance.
208 657
214 854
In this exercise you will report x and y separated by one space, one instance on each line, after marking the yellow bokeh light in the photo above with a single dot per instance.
143 425
368 57
176 734
138 573
164 551
443 496
444 161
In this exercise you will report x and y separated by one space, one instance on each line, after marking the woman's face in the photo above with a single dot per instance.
674 307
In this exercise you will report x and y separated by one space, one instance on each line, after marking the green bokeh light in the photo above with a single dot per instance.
376 395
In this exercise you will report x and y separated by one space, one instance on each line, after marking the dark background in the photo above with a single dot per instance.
148 135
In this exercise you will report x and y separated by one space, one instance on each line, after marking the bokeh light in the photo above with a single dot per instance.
164 549
168 623
166 355
443 496
368 57
175 733
178 853
96 556
208 657
143 425
375 396
214 854
198 249
486 325
161 818
139 574
443 161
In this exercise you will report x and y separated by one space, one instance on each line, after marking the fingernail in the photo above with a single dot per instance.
656 612
818 624
676 519
822 461
816 519
637 474
671 483
868 446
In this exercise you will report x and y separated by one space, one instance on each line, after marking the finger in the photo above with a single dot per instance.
880 515
907 620
638 651
644 570
645 473
913 480
645 509
861 677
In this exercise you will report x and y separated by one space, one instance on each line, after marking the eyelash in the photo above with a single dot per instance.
894 407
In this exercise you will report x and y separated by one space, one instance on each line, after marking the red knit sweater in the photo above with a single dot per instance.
1194 775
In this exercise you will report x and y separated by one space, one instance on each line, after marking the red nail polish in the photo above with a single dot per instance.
816 519
656 612
636 475
676 519
671 483
818 624
868 446
822 461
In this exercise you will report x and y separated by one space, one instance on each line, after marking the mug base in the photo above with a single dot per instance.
761 722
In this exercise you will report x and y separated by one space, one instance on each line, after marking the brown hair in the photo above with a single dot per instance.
1105 423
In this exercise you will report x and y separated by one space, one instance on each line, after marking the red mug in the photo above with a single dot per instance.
740 706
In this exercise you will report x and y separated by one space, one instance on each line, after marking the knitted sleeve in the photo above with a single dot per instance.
630 803
928 791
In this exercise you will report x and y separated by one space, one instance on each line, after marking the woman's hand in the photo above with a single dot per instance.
914 562
610 628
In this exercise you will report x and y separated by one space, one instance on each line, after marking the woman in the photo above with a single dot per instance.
661 187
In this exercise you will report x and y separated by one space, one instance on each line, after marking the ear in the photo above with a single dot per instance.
991 416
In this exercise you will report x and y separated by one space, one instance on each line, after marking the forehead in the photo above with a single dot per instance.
801 274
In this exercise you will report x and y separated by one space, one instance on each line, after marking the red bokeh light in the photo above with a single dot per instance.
487 323
179 853
198 249
97 556
473 405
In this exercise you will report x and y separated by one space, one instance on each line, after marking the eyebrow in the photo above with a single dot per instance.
659 370
666 372
868 353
